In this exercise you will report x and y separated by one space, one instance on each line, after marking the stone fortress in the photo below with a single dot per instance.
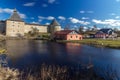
15 26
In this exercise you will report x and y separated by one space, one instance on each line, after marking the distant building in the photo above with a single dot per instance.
15 26
105 33
67 35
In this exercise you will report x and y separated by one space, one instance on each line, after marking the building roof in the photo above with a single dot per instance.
64 32
55 23
105 31
15 16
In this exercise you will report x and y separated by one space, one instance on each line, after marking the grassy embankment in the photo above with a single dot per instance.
96 42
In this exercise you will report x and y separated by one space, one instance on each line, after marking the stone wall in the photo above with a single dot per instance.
14 28
19 28
41 28
54 29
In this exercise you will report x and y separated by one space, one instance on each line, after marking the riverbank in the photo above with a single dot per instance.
96 42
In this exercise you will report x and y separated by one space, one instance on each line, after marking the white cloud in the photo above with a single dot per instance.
61 18
117 17
40 20
112 14
47 23
6 10
75 27
82 12
51 1
47 18
10 11
108 22
50 18
74 20
29 4
44 5
22 15
35 22
1 10
41 17
118 0
85 18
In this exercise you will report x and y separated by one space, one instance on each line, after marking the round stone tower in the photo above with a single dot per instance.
54 26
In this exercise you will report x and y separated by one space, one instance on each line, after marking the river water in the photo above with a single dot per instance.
33 53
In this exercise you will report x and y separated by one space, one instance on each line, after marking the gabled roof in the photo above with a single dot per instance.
64 32
15 16
55 23
105 31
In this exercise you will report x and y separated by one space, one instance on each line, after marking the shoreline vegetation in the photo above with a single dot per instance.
55 72
115 44
46 72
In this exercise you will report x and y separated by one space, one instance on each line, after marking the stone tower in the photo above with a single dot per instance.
15 25
54 26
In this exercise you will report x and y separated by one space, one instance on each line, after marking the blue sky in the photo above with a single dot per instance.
103 13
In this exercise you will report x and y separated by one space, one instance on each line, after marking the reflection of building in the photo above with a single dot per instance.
73 48
15 26
67 35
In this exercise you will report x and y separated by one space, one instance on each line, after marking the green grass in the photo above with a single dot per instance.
97 42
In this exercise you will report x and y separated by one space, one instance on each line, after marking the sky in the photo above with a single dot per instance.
72 13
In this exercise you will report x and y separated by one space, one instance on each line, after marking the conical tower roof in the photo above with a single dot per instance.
55 23
15 16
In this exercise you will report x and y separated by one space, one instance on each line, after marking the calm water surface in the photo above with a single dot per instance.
25 54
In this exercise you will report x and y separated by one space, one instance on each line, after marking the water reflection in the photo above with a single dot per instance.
29 53
73 48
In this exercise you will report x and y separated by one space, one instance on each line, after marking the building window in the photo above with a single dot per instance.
76 36
80 38
71 36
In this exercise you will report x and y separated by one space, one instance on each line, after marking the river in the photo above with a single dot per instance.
25 54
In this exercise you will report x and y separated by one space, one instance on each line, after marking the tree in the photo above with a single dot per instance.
81 29
94 28
34 32
67 27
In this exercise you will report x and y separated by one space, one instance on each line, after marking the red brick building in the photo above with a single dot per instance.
67 35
